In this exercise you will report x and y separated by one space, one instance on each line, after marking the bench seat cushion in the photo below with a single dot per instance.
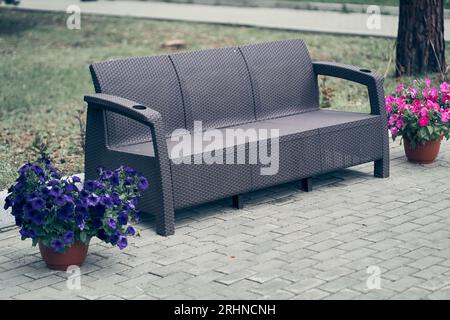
310 143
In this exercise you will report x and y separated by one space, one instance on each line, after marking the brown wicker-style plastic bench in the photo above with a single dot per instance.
140 101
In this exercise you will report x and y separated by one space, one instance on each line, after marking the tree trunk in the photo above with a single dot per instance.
420 39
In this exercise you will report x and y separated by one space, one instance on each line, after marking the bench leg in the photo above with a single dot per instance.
306 184
238 201
165 224
381 168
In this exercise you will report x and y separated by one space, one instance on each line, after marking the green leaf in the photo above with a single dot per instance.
422 133
83 237
430 130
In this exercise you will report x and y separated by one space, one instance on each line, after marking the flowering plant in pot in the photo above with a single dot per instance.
62 216
420 115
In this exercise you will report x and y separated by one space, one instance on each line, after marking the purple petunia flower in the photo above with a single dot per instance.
76 179
69 237
24 168
33 194
143 183
90 185
70 187
111 223
106 201
55 191
115 179
97 222
92 199
101 186
37 218
81 210
23 232
37 203
122 217
37 169
101 234
128 181
57 245
56 174
59 200
53 183
114 238
8 203
80 222
131 205
27 232
65 213
99 210
116 198
69 199
120 168
122 243
19 221
84 194
45 191
28 207
131 231
107 174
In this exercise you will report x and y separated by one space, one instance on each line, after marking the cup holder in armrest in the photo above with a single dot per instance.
139 107
365 70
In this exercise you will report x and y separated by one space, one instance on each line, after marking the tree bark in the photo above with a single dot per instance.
420 39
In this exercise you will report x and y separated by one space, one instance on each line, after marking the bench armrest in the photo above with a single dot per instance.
135 111
98 103
371 79
125 107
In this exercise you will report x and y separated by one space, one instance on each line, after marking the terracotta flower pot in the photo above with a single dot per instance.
74 255
423 153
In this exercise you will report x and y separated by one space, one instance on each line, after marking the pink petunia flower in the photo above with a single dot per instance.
423 112
394 131
405 106
400 88
445 116
392 119
431 105
399 123
434 93
388 108
389 99
444 87
424 121
428 82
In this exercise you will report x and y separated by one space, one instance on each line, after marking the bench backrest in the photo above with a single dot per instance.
221 87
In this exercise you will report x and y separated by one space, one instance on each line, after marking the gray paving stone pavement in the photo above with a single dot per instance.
317 245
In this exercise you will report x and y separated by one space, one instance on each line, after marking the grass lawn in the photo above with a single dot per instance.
44 72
